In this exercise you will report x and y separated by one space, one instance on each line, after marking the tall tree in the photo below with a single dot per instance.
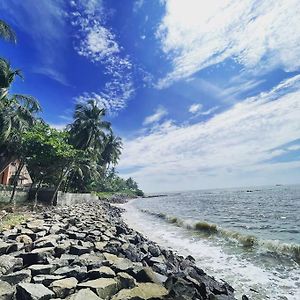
6 32
88 129
7 76
17 114
112 150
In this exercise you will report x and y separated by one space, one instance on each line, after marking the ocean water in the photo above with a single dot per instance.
249 237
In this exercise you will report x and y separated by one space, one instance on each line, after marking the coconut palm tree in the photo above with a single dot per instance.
7 76
88 129
112 150
17 114
6 32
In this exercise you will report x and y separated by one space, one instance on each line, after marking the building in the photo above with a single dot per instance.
7 175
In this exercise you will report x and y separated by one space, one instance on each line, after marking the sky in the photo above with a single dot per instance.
205 94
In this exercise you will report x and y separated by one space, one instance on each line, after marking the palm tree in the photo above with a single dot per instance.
88 129
16 115
7 76
6 32
112 150
83 171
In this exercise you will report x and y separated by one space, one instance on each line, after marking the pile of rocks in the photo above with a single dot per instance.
86 252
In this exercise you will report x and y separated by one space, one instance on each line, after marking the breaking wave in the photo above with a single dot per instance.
244 240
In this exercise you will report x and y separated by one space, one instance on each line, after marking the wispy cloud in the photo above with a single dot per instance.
156 117
196 35
225 148
99 44
137 5
195 108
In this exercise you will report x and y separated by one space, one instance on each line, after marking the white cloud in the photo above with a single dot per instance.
196 35
137 5
58 126
195 108
157 116
209 111
99 44
294 148
114 101
232 148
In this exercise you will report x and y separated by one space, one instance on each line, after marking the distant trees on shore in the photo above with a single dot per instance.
80 158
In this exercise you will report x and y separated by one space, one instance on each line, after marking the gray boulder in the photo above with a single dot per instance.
32 291
17 277
64 287
6 291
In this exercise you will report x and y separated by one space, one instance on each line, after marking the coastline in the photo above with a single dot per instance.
88 248
225 259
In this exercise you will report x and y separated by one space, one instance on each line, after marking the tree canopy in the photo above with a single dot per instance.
80 158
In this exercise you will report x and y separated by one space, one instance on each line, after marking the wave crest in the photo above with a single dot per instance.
244 240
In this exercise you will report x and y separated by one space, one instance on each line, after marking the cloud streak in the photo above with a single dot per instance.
195 35
156 117
227 146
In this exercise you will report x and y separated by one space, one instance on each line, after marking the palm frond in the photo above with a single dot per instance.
7 33
28 102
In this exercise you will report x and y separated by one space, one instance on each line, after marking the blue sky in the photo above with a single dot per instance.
204 94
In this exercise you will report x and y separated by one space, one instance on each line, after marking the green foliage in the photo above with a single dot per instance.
7 33
79 159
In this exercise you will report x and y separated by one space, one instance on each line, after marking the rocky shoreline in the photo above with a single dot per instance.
87 252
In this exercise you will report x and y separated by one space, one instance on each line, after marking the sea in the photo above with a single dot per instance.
249 237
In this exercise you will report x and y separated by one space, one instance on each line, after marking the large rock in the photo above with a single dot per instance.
24 238
46 279
78 272
154 250
99 246
17 277
148 275
9 263
85 294
63 287
91 261
3 247
126 281
78 250
118 263
104 287
46 241
32 291
6 291
142 291
41 269
36 225
105 272
179 287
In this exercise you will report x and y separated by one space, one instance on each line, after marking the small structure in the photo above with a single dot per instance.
7 175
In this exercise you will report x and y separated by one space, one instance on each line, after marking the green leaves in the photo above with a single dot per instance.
6 32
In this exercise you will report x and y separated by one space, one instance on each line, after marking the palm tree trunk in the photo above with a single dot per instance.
62 176
15 182
30 189
36 194
69 182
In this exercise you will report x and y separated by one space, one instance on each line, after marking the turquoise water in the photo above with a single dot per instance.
232 232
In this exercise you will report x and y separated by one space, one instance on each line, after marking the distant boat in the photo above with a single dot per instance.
278 184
